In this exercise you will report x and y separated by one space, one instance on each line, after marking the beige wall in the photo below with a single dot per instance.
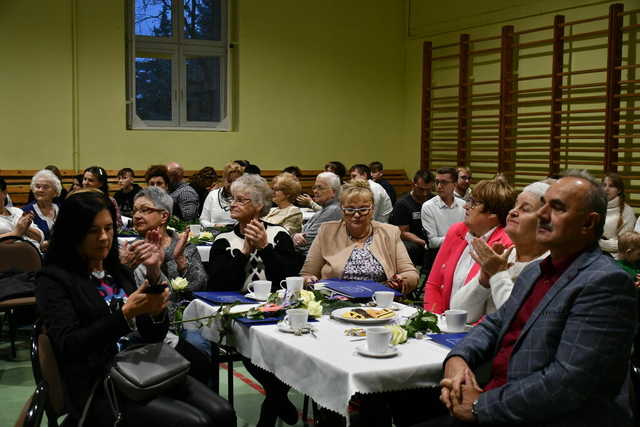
317 81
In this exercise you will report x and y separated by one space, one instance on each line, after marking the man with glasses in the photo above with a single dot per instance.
463 184
325 193
406 215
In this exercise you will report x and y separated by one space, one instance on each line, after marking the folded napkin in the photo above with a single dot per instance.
448 340
223 297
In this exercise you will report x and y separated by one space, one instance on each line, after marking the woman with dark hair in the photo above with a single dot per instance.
89 302
76 183
157 176
96 177
336 167
203 182
620 216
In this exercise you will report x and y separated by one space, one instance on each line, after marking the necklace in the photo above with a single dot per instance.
359 239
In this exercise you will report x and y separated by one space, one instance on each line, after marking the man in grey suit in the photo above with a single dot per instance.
559 348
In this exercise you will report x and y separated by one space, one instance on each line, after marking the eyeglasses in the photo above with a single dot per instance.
473 202
240 201
465 178
437 182
319 187
145 210
353 211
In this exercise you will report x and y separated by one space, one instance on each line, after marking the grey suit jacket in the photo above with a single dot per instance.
569 367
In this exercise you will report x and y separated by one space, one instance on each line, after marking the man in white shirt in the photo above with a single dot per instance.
463 184
442 211
382 206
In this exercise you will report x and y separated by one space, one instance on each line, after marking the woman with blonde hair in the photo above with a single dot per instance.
358 248
286 188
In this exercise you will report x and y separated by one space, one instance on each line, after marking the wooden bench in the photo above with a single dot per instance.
19 181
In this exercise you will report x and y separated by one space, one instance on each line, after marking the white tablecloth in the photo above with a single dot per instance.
328 368
203 250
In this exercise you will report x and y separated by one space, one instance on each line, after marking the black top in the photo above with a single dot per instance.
83 330
407 212
125 200
389 189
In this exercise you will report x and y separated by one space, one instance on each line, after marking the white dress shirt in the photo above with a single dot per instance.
437 217
465 262
382 202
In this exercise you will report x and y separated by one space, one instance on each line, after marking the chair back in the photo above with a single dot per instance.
45 368
17 253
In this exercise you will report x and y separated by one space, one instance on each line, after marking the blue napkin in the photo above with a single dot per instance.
448 340
357 288
223 297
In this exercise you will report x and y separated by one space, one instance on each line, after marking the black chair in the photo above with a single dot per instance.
20 255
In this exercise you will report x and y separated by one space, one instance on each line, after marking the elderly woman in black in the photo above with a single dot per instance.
89 302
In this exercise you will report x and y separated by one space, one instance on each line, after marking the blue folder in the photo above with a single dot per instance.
357 288
228 297
448 340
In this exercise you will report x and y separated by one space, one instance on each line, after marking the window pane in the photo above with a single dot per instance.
203 89
153 88
202 19
153 18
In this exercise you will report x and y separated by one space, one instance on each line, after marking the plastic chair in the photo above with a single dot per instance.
17 254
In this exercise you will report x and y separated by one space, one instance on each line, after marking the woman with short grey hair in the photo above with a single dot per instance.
45 186
257 189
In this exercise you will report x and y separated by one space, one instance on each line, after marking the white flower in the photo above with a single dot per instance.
306 297
179 284
398 334
206 235
314 308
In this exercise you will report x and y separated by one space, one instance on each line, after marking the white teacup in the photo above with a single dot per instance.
195 229
378 339
260 288
455 320
292 284
383 298
297 318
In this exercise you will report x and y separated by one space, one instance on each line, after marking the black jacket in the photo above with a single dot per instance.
82 330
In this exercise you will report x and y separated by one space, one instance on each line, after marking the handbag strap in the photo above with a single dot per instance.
112 397
88 403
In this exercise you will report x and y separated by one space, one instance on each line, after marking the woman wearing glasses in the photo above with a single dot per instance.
358 248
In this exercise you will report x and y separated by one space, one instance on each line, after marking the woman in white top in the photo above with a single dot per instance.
620 216
45 186
15 222
215 211
286 188
500 267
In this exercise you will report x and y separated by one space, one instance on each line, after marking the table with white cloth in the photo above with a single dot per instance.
328 368
203 250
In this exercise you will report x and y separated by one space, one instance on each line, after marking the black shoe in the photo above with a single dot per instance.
288 412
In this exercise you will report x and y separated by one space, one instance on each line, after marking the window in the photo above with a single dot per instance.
177 56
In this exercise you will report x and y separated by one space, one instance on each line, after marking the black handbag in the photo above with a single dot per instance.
144 372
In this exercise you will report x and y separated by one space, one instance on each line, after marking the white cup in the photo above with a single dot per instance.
456 320
378 339
383 298
260 288
195 229
292 284
297 318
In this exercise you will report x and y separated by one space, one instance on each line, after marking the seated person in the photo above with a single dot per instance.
254 249
286 188
325 193
381 199
629 253
485 217
127 192
152 209
203 182
157 176
406 215
358 248
462 189
186 202
499 266
96 177
293 170
63 191
215 212
89 301
336 167
377 175
15 222
620 216
45 187
559 347
76 183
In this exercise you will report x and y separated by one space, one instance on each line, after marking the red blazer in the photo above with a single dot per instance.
437 290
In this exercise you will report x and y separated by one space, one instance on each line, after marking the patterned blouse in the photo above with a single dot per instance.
362 265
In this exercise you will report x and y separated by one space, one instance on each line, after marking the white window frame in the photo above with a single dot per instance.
179 49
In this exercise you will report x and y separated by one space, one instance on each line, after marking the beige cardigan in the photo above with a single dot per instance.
332 248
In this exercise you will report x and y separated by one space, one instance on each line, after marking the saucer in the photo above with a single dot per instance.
445 330
285 327
364 351
252 296
393 306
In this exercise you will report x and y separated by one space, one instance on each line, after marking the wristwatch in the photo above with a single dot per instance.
474 409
